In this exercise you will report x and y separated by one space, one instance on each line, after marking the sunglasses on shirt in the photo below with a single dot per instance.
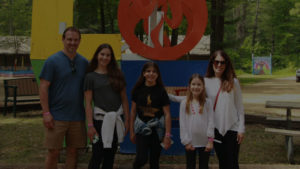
73 68
217 62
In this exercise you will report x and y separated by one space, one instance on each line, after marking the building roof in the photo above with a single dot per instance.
8 44
201 48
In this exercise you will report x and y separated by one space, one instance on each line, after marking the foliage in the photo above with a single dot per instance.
15 17
277 31
296 11
96 16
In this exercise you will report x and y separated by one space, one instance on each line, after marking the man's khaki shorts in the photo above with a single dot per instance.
74 133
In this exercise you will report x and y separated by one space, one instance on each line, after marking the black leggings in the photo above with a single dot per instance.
191 158
147 145
228 150
100 154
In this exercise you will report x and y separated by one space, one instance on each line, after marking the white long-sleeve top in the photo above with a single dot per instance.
229 112
195 128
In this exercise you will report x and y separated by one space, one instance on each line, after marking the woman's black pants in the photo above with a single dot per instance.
228 150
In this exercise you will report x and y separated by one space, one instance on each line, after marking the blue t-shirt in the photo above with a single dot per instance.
65 93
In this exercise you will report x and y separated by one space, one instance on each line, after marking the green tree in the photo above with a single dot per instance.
96 16
296 10
15 17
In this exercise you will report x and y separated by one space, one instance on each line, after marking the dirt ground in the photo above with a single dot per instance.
283 89
164 166
254 98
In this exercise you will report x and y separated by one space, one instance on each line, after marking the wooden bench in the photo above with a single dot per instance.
287 132
20 90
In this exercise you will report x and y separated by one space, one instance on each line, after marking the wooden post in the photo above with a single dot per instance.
288 118
290 149
153 20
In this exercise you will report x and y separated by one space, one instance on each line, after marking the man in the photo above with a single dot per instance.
61 93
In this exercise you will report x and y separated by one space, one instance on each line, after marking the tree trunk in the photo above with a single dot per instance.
174 37
217 25
11 20
241 25
110 15
102 16
255 26
273 44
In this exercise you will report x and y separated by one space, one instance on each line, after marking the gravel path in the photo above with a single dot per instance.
283 89
163 166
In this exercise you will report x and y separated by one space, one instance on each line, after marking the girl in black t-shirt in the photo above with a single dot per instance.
150 119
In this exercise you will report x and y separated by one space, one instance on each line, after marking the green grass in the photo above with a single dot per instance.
246 78
21 142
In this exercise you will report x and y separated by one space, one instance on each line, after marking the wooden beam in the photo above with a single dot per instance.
283 131
282 104
283 119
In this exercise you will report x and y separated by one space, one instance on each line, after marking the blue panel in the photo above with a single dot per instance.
177 148
177 73
174 73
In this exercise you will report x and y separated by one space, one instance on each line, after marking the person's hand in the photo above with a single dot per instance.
132 137
91 133
209 146
167 142
48 120
240 138
189 147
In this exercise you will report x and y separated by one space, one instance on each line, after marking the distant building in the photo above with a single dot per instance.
202 48
15 56
201 51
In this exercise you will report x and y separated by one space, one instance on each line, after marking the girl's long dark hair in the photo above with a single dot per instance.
227 78
115 75
141 79
189 96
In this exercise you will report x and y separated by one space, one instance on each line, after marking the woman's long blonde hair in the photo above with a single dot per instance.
189 96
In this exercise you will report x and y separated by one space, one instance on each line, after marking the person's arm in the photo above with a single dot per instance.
238 100
167 138
132 119
211 125
125 109
176 98
88 98
43 90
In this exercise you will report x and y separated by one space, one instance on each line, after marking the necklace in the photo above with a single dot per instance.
193 110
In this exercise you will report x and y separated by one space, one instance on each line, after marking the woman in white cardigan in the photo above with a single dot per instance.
223 89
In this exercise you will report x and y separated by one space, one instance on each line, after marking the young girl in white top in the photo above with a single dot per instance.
196 124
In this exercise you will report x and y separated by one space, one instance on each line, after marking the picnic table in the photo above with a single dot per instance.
287 131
